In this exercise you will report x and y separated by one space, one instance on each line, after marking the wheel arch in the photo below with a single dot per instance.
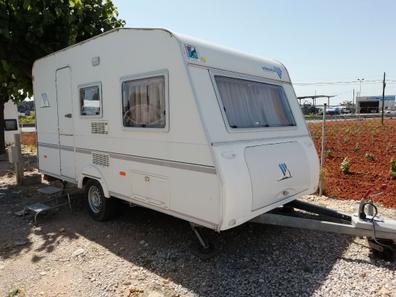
94 173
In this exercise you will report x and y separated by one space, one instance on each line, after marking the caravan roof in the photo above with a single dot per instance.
209 55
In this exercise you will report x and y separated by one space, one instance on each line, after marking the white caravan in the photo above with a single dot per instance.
11 123
200 132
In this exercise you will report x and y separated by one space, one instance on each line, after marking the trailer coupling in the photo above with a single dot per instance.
380 231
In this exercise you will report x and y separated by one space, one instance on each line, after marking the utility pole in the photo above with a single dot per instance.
322 147
314 100
360 86
383 100
353 102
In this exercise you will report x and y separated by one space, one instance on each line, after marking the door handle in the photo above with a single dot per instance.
68 115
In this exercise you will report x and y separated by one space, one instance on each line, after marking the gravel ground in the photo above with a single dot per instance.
144 253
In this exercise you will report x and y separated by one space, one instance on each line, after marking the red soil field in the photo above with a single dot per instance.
352 139
28 138
356 140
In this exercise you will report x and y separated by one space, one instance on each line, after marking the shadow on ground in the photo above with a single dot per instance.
253 260
256 258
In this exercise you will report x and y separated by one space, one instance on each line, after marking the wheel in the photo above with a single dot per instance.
99 207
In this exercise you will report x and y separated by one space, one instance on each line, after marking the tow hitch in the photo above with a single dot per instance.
380 231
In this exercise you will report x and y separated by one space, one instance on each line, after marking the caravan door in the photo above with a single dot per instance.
65 122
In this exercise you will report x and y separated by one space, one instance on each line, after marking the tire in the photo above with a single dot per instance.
98 206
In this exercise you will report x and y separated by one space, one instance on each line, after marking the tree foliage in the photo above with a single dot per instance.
346 103
30 29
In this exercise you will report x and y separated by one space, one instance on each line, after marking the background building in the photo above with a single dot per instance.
373 104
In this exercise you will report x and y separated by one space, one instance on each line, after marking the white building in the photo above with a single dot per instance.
373 104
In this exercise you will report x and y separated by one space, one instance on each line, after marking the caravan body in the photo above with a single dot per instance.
200 132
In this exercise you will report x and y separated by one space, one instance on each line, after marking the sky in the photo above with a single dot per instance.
318 41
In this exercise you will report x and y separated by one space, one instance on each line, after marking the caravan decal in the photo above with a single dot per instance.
142 159
285 171
191 52
275 69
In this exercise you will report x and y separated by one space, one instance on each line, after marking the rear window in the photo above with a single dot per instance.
252 104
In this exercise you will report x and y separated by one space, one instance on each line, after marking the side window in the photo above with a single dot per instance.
90 100
10 125
143 103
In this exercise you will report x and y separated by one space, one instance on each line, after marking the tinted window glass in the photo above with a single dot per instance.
90 101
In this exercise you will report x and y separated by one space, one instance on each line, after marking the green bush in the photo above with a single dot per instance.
369 156
345 165
27 119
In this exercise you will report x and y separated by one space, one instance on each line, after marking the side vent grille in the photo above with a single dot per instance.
101 159
99 128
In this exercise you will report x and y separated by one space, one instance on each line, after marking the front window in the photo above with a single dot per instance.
252 104
143 102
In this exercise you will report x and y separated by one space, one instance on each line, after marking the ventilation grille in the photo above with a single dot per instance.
99 128
100 159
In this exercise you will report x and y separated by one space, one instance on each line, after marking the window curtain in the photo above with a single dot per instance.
144 103
250 104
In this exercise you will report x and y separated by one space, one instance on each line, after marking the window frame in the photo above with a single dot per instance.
87 85
15 121
165 74
233 75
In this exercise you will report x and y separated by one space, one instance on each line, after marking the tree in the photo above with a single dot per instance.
348 105
31 29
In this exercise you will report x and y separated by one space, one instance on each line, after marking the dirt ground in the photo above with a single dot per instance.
144 253
369 147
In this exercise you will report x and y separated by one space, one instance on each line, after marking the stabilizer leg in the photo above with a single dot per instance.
383 248
205 249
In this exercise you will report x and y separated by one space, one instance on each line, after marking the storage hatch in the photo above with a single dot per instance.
150 188
277 171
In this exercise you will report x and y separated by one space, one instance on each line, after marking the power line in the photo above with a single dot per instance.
327 83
